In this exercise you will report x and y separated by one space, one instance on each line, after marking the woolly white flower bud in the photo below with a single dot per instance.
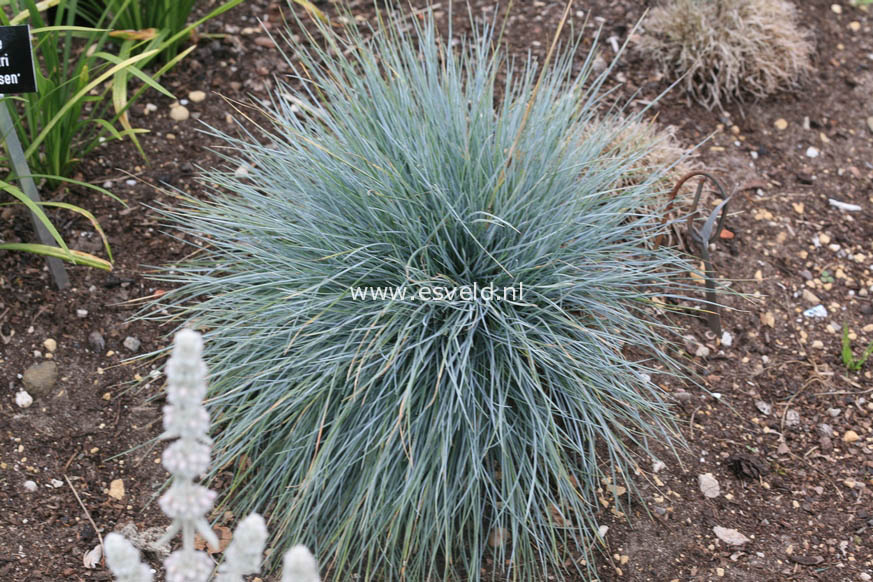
243 555
190 422
123 560
187 390
299 565
186 501
189 343
187 566
186 371
186 458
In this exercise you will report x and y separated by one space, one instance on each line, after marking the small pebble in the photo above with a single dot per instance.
96 341
854 26
780 124
812 152
850 436
149 107
826 444
50 344
265 42
836 9
817 311
130 182
81 313
30 486
708 485
179 113
23 399
727 339
196 96
131 343
40 378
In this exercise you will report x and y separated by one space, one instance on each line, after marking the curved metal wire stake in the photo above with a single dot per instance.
700 240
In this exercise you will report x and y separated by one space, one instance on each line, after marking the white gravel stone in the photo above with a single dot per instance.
708 485
30 486
23 399
817 311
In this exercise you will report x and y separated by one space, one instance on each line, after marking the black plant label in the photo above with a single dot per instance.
16 60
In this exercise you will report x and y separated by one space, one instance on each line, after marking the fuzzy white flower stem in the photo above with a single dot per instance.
188 537
187 502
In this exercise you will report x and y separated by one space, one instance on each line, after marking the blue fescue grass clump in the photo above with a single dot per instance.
416 440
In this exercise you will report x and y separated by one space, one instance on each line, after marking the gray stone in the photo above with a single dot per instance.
826 444
131 343
96 341
39 379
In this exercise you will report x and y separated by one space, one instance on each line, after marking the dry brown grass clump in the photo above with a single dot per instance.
728 49
659 145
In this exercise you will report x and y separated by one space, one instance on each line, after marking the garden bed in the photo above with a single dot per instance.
801 493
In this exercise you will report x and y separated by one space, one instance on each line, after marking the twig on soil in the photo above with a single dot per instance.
691 422
85 509
843 392
69 461
42 309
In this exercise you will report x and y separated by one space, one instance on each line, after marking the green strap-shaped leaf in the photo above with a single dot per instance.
73 256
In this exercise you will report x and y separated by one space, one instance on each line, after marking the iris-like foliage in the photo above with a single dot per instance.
409 439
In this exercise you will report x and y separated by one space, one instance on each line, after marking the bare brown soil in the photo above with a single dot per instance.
800 491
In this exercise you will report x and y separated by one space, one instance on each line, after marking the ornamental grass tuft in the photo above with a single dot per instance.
728 50
415 438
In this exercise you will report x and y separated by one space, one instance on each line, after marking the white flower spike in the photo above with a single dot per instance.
123 559
299 565
187 502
